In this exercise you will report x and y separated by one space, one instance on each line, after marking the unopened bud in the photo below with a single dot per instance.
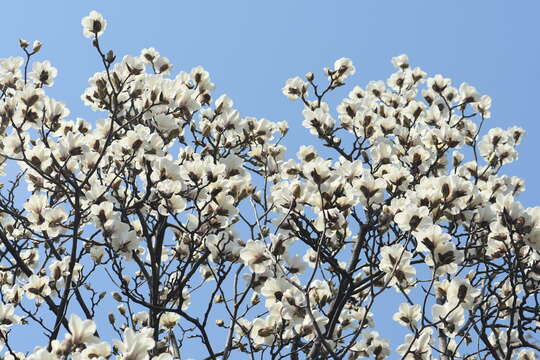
256 197
220 323
23 43
218 299
110 56
122 309
57 273
111 318
36 46
297 191
365 156
310 76
255 299
116 296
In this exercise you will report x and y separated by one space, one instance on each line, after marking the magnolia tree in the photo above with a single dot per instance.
190 224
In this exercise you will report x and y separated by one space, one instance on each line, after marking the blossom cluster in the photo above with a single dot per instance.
176 197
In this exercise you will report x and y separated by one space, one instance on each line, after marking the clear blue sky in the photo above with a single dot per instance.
252 47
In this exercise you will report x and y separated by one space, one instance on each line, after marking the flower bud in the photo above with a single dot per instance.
110 56
116 296
255 299
121 309
36 46
23 43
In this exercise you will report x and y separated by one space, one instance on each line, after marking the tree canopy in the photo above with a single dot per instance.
192 219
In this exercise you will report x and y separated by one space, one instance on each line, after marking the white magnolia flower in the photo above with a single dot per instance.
134 65
408 315
295 264
527 354
448 317
43 73
418 348
35 206
343 68
413 218
42 354
81 332
37 287
12 294
149 55
445 258
307 328
372 345
168 320
15 356
135 346
468 94
273 290
462 291
242 327
501 342
256 256
430 237
395 263
263 331
93 25
7 316
295 88
100 350
401 62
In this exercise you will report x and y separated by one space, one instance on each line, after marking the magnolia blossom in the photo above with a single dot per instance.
81 332
372 345
413 218
460 290
401 61
98 350
37 288
408 315
7 316
445 258
135 346
169 320
42 354
396 264
263 331
342 69
256 256
43 72
295 88
417 347
448 316
93 25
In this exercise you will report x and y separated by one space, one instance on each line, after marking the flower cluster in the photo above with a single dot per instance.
183 212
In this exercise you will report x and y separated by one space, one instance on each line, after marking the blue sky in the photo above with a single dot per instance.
252 47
